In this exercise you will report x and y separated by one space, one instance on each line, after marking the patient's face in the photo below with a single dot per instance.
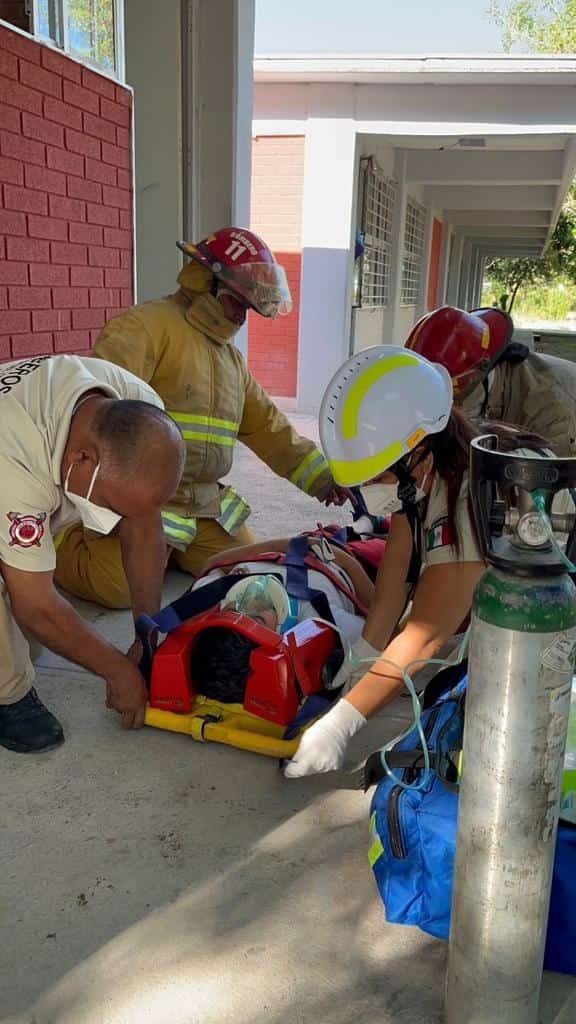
265 616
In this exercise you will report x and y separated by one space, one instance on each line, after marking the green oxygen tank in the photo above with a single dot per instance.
521 665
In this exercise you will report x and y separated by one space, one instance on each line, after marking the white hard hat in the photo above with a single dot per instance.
379 405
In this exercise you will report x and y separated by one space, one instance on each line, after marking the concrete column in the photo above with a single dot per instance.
422 304
447 237
454 270
190 64
327 247
465 274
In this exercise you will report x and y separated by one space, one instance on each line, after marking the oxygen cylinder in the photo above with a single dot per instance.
521 664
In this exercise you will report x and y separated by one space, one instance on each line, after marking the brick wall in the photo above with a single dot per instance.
66 236
277 186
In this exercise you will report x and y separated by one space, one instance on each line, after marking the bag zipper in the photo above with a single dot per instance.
394 825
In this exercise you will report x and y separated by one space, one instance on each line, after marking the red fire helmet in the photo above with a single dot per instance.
466 344
245 264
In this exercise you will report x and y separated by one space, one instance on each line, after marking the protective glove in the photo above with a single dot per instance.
359 659
323 745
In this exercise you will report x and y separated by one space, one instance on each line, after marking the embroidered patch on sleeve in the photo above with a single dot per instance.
26 531
439 535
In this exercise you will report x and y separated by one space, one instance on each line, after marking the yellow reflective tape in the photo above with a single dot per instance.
301 469
362 385
207 421
350 473
196 435
485 343
175 534
375 851
307 485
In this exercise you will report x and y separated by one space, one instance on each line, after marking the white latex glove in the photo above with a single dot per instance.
323 745
359 659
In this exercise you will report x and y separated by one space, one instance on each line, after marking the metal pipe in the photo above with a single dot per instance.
517 708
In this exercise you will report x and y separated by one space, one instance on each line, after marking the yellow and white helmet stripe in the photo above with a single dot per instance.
379 405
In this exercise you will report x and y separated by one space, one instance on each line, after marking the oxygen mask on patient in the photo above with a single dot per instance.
263 599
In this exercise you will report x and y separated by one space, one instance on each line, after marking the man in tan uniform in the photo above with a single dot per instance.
80 440
183 347
496 378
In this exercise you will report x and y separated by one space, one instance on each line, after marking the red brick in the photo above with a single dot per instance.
25 199
60 64
19 96
67 209
115 112
27 249
8 64
12 223
88 234
117 239
51 320
99 256
85 144
104 173
123 138
45 180
41 130
15 322
85 318
94 335
29 298
62 160
105 215
123 96
48 273
114 311
126 297
101 129
3 298
102 297
19 148
13 273
126 258
5 351
70 298
32 345
40 79
62 113
115 155
11 171
20 45
80 97
67 252
80 188
124 179
87 277
10 118
47 227
118 278
71 341
117 197
126 219
99 83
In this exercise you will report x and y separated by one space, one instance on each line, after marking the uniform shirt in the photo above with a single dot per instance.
37 400
437 537
349 623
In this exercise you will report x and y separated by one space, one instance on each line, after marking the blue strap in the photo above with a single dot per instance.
297 578
314 706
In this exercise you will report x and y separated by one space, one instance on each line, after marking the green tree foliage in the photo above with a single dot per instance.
536 26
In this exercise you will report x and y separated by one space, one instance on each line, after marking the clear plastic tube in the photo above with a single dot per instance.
539 499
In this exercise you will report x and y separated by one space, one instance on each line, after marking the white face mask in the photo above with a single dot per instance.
383 500
94 517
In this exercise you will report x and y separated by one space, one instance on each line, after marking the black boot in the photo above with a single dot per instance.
28 727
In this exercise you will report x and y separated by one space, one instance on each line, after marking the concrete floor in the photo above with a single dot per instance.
147 879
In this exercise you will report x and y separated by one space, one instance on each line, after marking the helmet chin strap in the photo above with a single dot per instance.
411 509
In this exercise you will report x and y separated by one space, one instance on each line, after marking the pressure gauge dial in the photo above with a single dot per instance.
532 531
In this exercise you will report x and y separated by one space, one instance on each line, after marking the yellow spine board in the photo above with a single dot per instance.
234 727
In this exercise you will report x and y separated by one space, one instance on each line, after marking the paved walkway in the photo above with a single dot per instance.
149 880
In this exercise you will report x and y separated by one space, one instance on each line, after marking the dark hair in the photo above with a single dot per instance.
123 427
220 664
451 451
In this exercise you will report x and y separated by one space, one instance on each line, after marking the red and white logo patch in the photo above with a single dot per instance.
26 531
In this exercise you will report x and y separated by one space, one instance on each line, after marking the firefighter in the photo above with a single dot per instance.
182 346
498 379
80 440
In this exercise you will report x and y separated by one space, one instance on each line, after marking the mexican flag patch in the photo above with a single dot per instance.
439 535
